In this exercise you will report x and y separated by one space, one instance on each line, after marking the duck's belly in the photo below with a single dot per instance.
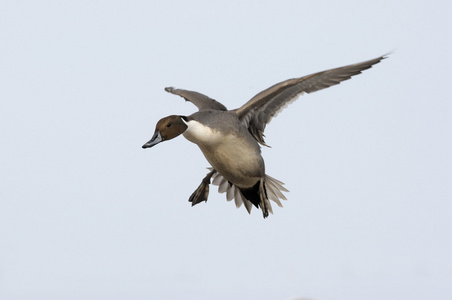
239 162
236 156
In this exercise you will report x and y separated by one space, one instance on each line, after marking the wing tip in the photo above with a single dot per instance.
170 89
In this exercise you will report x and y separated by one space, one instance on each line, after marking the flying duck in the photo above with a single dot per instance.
230 139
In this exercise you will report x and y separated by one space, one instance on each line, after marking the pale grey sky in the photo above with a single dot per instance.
85 213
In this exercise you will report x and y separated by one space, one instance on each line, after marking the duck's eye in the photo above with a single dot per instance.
168 125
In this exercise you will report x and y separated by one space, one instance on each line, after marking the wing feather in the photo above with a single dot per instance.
258 112
203 102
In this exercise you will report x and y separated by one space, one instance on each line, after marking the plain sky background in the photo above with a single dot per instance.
85 213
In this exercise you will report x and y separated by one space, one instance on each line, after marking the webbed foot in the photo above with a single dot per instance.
202 192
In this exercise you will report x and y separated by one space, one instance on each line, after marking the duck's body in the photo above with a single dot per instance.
229 139
227 145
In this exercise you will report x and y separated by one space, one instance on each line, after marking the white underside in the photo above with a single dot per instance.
236 159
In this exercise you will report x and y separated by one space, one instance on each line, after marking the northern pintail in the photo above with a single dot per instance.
229 139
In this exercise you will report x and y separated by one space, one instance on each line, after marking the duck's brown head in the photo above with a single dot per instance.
167 129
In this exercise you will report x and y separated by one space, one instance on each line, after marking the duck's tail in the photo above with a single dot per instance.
259 195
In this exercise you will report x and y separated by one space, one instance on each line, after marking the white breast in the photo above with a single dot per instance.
236 158
201 135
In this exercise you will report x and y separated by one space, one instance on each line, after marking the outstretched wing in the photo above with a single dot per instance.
259 111
201 101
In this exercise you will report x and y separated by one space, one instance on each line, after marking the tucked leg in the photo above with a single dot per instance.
202 192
